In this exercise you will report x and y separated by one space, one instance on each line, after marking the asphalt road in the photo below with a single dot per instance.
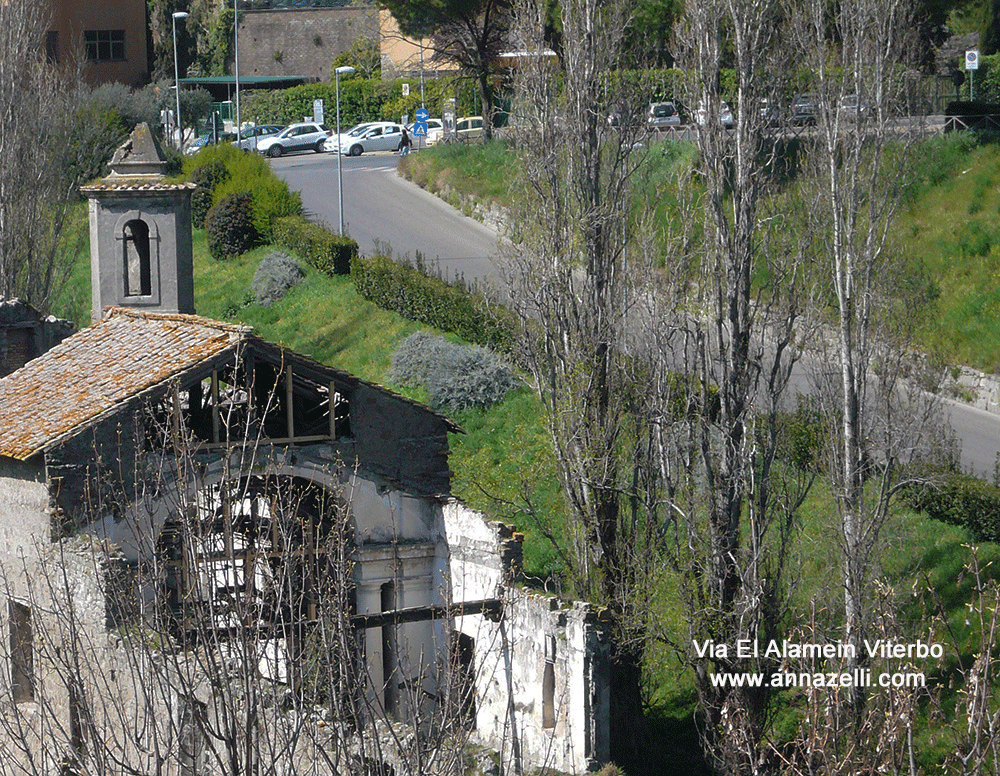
382 210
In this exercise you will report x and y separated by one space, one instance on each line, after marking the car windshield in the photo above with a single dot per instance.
360 129
664 109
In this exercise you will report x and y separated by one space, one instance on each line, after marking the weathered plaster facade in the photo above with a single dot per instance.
542 681
123 21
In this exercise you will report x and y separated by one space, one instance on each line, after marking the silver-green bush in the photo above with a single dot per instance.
455 376
276 273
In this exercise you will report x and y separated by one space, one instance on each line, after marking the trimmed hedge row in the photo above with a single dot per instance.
430 300
328 252
959 499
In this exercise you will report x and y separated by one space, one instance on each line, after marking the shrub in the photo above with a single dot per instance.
328 252
456 376
276 273
205 178
271 198
229 227
417 296
416 355
959 499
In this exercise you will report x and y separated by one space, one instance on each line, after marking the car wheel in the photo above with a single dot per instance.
319 146
356 150
275 152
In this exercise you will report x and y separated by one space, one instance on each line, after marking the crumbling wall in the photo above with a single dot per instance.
542 672
24 512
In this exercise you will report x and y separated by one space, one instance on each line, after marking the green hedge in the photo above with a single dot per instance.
430 300
328 252
959 499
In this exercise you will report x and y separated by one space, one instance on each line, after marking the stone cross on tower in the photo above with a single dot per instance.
140 232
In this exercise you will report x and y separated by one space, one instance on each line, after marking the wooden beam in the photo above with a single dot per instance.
290 402
215 405
491 608
331 396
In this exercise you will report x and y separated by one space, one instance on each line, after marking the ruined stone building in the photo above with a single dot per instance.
220 556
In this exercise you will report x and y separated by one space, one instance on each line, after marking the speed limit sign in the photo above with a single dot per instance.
972 60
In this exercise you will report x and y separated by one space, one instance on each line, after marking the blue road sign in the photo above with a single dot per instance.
420 125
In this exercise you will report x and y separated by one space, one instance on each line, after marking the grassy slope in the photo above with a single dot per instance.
949 235
951 232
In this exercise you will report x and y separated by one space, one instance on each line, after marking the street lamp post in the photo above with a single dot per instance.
236 65
345 70
177 79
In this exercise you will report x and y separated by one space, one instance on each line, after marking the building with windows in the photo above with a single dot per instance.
110 37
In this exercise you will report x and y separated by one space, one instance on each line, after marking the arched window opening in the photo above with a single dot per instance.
135 241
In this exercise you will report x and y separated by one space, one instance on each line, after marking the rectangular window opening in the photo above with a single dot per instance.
549 684
22 672
104 45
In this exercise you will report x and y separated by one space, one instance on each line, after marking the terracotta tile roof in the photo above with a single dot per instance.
97 369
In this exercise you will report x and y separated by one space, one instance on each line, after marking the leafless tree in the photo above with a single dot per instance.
734 497
832 738
36 113
566 274
880 417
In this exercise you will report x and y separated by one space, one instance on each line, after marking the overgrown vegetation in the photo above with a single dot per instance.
269 196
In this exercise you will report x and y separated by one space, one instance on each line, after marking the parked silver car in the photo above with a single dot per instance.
250 137
306 136
370 136
661 116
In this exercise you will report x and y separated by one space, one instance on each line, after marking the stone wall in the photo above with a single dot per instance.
302 41
25 334
542 672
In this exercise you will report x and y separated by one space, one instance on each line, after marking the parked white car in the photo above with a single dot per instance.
370 136
435 129
725 115
306 136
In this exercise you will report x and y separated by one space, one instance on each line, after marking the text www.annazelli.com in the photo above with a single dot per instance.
860 677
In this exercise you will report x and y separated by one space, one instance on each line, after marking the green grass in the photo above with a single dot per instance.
481 171
951 234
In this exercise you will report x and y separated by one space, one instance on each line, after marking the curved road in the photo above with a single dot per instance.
383 211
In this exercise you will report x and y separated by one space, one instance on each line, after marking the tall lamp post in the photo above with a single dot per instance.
177 79
236 64
345 70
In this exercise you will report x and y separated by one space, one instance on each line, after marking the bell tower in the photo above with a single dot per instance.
140 233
